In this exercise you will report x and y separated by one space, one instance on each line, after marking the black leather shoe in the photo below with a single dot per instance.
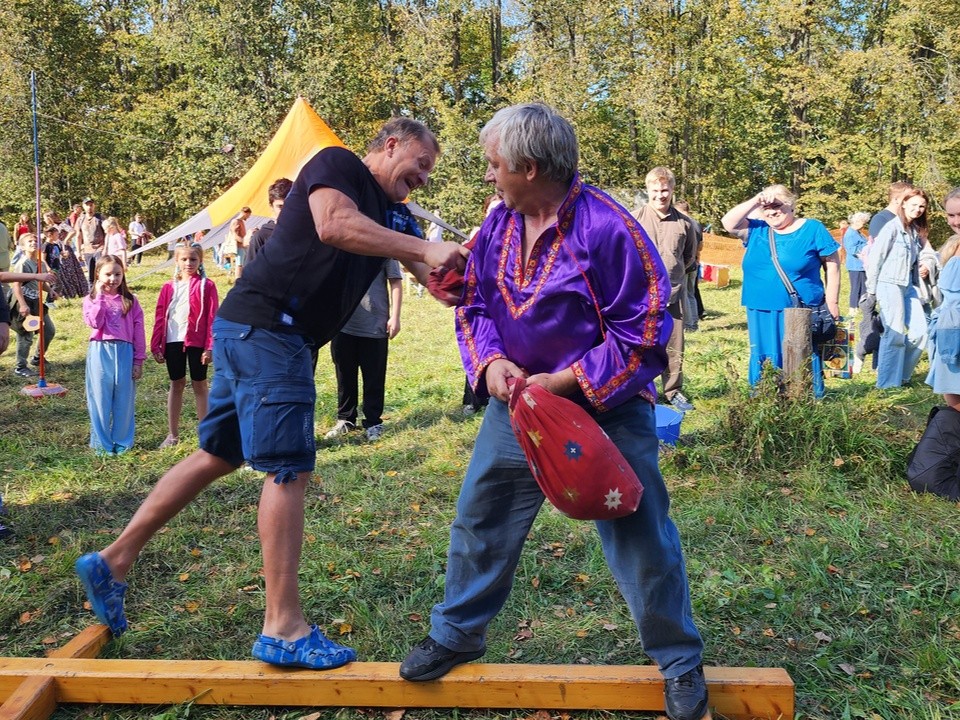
430 660
686 696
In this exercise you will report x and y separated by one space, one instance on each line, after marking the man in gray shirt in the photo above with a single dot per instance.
361 347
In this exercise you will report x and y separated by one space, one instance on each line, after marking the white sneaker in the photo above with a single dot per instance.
857 365
374 432
341 428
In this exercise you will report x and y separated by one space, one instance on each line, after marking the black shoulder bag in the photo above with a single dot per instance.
823 327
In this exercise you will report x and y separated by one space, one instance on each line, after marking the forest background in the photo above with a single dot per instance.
158 105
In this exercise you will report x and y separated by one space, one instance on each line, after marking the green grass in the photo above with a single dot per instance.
804 547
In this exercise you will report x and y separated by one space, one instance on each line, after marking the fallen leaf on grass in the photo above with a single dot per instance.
822 636
196 552
581 633
192 606
769 632
346 628
414 617
49 640
311 716
834 570
610 626
184 577
391 473
53 540
24 565
523 635
848 669
26 617
394 714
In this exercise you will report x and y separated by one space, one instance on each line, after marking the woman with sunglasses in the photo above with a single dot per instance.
893 276
804 246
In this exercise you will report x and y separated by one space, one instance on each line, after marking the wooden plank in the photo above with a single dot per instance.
35 698
734 692
86 644
32 699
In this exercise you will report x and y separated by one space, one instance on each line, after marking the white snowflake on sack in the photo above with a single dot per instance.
614 499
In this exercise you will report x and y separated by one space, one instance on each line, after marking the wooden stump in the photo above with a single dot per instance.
797 349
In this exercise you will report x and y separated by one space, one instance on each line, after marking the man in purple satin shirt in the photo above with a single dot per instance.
565 289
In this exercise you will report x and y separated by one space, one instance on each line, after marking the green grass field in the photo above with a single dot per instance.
804 546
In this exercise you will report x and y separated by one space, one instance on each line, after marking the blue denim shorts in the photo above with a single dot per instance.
261 400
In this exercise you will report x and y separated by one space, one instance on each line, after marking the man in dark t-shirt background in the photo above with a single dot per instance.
276 195
329 244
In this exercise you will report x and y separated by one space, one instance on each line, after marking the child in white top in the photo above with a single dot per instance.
183 333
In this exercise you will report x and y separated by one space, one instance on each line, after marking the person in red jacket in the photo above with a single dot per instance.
183 333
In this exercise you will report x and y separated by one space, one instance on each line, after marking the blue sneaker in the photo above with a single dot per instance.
314 651
104 593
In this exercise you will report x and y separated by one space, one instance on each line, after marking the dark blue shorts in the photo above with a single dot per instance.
261 400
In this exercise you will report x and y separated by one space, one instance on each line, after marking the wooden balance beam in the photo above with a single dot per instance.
31 688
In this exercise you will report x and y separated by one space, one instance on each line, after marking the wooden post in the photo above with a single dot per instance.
797 349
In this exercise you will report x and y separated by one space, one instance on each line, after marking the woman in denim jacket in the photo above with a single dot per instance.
893 274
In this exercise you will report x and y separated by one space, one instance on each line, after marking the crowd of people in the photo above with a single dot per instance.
563 287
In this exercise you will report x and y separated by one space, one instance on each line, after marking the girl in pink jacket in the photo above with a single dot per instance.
183 334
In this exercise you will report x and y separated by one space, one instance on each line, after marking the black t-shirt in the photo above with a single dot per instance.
299 284
257 240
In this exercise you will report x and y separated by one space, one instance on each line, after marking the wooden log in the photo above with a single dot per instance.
797 349
35 698
734 692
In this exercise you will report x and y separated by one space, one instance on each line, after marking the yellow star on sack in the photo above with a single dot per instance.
528 399
535 436
613 499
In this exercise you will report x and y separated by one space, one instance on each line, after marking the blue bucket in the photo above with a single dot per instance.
668 424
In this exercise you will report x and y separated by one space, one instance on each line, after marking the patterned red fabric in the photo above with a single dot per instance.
577 466
446 285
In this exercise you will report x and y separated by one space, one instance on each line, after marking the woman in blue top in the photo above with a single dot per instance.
804 247
893 274
854 242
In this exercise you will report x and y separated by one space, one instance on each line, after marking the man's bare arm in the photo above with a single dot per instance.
340 223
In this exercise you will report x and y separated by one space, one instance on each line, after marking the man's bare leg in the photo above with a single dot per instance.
280 522
173 492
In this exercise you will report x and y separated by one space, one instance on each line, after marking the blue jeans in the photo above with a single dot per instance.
498 503
904 333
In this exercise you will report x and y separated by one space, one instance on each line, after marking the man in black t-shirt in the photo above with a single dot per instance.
329 244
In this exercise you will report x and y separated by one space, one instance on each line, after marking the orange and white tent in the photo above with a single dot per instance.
301 135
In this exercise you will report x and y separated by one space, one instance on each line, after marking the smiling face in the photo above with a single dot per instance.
110 276
29 244
660 195
405 167
952 208
914 207
778 214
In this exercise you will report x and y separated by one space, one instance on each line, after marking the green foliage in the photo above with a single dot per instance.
835 99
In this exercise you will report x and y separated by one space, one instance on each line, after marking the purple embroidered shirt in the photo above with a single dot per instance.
595 263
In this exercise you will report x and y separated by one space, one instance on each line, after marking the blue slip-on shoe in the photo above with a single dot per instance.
104 593
314 651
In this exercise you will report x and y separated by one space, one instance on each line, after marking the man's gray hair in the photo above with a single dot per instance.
535 133
404 130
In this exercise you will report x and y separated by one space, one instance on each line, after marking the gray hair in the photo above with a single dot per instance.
404 130
859 219
781 193
955 193
535 133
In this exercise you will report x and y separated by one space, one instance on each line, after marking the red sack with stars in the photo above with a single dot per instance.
573 460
